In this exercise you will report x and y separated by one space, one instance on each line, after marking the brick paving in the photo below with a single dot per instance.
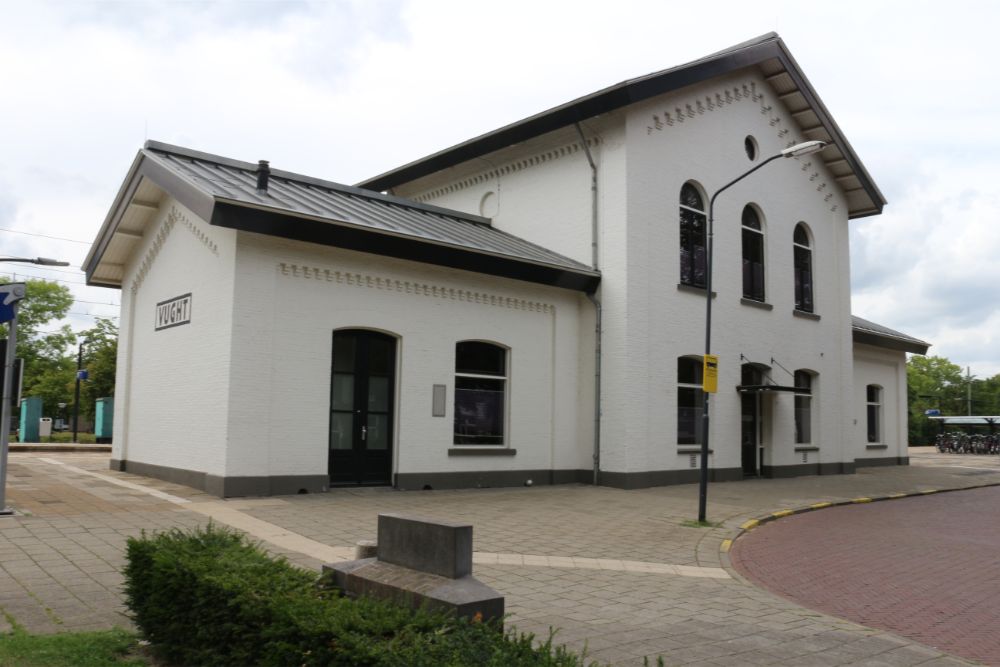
925 567
615 571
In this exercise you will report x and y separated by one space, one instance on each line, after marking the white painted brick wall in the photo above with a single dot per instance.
291 296
648 323
172 384
886 368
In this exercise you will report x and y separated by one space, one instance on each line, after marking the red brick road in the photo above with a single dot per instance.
927 568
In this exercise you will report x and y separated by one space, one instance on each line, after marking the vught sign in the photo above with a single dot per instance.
173 312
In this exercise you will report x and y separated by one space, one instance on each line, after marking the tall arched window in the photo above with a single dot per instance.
693 225
480 393
753 255
690 400
803 270
803 407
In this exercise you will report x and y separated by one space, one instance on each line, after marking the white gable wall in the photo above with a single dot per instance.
169 382
707 146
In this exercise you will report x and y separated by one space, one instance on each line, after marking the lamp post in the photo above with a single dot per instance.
43 261
10 297
797 150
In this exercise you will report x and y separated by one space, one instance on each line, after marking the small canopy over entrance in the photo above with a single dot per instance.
771 389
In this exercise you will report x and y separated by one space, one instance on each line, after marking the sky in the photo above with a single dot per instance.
346 89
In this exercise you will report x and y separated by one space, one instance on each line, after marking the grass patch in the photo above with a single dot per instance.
691 523
66 437
106 648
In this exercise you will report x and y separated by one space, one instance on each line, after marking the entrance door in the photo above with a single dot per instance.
361 408
748 434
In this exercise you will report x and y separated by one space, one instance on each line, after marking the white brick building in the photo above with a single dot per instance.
436 325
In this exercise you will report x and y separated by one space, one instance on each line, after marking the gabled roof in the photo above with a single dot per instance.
768 53
870 333
224 192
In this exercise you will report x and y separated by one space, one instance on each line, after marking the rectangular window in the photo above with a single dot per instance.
803 280
874 399
690 408
480 393
753 265
803 409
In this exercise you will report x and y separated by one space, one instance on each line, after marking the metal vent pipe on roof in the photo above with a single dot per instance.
263 172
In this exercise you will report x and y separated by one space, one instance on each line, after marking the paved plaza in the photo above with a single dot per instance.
616 571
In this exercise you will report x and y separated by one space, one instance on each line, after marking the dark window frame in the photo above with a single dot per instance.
752 228
803 407
480 397
693 236
690 400
803 268
873 404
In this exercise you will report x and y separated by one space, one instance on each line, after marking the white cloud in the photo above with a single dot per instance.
346 89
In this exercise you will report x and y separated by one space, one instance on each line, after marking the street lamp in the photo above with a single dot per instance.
44 261
10 298
798 150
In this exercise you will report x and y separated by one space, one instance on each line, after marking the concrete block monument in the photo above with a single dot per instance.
421 562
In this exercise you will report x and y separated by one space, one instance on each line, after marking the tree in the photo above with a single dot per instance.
46 371
100 355
932 383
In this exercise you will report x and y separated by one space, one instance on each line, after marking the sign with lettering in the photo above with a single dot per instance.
173 312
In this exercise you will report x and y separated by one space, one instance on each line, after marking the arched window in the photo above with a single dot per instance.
753 255
803 407
874 401
803 270
693 225
480 393
690 400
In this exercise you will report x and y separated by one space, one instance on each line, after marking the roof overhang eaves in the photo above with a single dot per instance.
637 90
875 339
235 214
144 166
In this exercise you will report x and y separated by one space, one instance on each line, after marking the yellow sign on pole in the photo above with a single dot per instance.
710 374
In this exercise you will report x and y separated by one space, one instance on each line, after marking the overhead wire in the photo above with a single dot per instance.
44 236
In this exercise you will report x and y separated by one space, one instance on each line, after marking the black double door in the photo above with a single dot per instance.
361 408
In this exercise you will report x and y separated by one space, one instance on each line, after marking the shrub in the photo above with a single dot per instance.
210 597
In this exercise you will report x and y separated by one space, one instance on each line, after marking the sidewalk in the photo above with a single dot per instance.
614 569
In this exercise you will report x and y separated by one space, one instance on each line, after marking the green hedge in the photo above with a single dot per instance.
209 597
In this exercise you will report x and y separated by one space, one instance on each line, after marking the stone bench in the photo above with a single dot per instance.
421 562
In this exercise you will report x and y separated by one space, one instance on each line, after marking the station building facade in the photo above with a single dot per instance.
527 307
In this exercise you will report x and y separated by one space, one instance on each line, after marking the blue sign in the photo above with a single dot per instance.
932 413
82 374
10 294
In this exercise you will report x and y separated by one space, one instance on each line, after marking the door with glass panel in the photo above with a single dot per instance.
361 408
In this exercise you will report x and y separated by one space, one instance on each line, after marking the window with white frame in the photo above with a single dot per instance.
690 401
480 393
803 408
693 227
753 254
874 402
803 269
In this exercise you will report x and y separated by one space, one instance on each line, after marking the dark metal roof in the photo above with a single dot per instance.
875 334
225 193
767 52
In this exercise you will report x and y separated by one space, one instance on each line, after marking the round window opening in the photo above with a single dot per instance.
750 146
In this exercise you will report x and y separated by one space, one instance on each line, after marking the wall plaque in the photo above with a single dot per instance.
173 312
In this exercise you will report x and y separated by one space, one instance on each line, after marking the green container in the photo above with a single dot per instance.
31 412
104 410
